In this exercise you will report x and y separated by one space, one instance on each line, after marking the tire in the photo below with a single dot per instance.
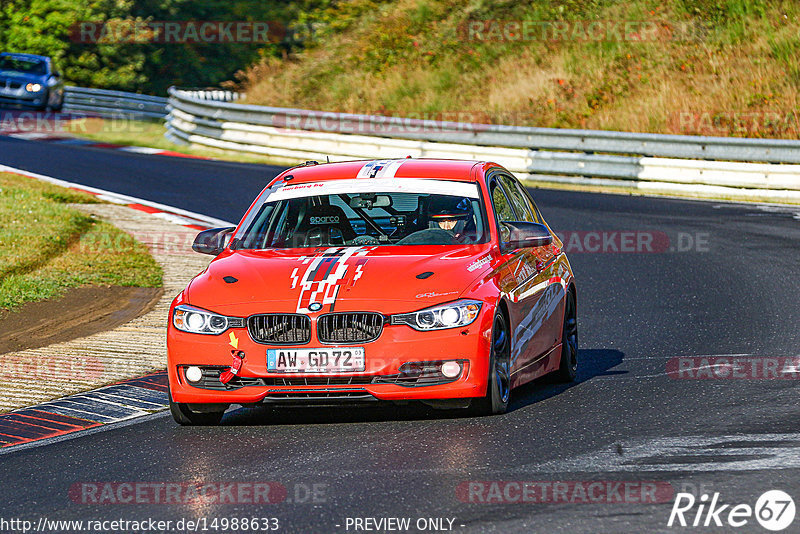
498 387
186 417
568 369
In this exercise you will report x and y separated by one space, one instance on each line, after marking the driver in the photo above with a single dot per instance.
451 214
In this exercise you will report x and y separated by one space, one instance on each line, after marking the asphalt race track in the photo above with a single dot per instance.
722 279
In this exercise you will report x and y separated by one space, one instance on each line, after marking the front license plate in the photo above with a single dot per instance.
325 360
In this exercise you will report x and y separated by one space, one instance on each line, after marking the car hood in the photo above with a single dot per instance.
384 279
22 76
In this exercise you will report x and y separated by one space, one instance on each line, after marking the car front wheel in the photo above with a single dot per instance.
498 389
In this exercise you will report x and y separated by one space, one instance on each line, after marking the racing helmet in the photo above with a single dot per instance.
446 207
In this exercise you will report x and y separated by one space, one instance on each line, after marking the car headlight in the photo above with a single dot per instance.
450 315
33 87
197 321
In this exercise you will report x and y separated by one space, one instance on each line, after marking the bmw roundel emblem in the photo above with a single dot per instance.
315 306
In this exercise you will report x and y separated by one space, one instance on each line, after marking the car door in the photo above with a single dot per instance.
536 302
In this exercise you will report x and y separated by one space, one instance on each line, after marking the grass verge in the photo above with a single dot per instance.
712 67
47 247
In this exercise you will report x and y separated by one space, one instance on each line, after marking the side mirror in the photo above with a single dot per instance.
212 241
526 234
55 74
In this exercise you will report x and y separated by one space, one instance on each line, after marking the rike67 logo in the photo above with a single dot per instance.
774 510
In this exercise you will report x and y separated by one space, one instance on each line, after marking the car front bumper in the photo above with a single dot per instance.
397 345
21 97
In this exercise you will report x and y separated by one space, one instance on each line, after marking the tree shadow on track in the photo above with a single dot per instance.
592 363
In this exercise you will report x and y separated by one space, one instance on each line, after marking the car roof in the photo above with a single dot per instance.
442 169
24 56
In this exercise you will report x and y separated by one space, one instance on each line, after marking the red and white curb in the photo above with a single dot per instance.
179 216
115 403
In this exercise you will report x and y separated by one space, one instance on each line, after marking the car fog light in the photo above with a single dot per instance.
194 374
451 369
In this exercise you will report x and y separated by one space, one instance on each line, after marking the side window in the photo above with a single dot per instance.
501 205
518 199
536 213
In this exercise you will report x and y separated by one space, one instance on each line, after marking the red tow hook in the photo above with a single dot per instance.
236 366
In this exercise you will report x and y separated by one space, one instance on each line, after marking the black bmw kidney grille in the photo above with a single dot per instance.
280 328
351 327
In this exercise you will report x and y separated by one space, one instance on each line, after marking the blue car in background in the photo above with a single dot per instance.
30 81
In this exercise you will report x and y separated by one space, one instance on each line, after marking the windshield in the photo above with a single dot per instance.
366 212
29 66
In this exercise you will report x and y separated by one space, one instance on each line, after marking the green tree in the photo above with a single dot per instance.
50 27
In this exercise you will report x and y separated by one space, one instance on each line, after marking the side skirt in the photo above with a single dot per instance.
544 364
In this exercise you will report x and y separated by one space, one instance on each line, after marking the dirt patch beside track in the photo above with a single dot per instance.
79 312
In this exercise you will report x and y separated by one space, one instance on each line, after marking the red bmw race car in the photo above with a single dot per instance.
396 280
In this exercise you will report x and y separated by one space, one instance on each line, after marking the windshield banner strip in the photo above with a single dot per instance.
377 185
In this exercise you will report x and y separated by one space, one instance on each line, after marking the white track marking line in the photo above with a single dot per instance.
141 149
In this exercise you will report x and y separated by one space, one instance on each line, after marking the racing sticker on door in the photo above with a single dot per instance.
326 274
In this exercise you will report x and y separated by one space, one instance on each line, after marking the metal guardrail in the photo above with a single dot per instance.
107 103
534 153
203 104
